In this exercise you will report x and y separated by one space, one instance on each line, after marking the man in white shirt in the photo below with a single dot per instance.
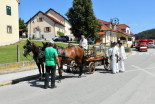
110 55
83 42
122 56
114 56
117 57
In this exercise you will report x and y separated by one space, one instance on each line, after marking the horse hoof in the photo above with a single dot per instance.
79 76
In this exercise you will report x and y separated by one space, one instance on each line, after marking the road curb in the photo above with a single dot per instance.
15 81
18 80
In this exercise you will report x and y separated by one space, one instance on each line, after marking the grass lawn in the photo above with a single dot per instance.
8 54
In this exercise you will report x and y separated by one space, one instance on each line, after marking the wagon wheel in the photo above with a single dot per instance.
73 66
91 67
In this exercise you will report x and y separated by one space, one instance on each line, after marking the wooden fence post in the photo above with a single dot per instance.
18 53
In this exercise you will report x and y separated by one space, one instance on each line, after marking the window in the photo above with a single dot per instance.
8 10
128 31
9 29
40 19
129 39
47 29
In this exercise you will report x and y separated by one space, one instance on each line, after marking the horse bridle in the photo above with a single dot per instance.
27 49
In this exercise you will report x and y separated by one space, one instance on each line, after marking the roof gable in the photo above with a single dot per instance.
46 16
56 13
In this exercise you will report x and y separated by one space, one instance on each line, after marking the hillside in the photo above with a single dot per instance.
148 34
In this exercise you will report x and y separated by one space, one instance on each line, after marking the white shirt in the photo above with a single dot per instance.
115 50
109 51
84 43
122 53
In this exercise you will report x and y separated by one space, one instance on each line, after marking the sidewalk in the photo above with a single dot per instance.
12 78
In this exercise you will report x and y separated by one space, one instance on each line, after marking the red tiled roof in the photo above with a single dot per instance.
104 22
101 33
20 29
54 19
119 28
56 13
123 32
48 17
104 27
18 1
122 26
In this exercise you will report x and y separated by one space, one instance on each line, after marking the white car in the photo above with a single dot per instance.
151 45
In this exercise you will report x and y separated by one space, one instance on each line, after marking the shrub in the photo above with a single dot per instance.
60 33
42 36
33 36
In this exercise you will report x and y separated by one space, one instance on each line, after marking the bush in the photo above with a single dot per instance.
127 49
33 36
42 36
60 33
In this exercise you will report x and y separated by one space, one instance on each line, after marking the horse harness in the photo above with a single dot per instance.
40 57
63 55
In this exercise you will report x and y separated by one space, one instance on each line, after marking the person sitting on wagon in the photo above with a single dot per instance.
83 43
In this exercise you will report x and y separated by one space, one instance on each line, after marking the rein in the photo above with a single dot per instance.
29 59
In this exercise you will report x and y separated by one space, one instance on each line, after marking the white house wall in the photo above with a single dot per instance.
67 30
47 22
7 20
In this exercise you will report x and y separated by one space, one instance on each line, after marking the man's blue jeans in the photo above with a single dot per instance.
49 69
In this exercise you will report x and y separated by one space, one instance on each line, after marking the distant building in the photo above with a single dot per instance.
48 24
110 32
9 23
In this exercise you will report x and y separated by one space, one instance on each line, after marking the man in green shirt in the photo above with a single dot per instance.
51 59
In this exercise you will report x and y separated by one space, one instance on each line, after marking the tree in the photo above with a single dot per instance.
148 34
60 33
82 18
22 25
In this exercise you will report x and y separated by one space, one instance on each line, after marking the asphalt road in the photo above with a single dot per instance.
135 86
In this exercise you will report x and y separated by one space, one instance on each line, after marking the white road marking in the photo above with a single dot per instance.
138 68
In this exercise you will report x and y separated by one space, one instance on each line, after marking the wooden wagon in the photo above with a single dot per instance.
94 56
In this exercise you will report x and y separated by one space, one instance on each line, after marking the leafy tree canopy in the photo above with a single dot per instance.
22 25
148 34
82 18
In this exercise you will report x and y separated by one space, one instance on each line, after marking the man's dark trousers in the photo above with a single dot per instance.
49 69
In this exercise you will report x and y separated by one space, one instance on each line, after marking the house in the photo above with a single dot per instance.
47 24
125 35
110 32
9 23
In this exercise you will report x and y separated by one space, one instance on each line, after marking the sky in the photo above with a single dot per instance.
139 15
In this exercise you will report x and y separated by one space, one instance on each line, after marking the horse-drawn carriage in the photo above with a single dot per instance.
73 56
95 55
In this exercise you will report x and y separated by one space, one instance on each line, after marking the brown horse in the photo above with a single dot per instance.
66 55
37 55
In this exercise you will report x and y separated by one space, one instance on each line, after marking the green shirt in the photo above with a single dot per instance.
50 54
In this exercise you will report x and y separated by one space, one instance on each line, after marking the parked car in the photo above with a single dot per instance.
151 45
62 39
91 42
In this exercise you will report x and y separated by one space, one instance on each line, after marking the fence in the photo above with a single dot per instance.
13 53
